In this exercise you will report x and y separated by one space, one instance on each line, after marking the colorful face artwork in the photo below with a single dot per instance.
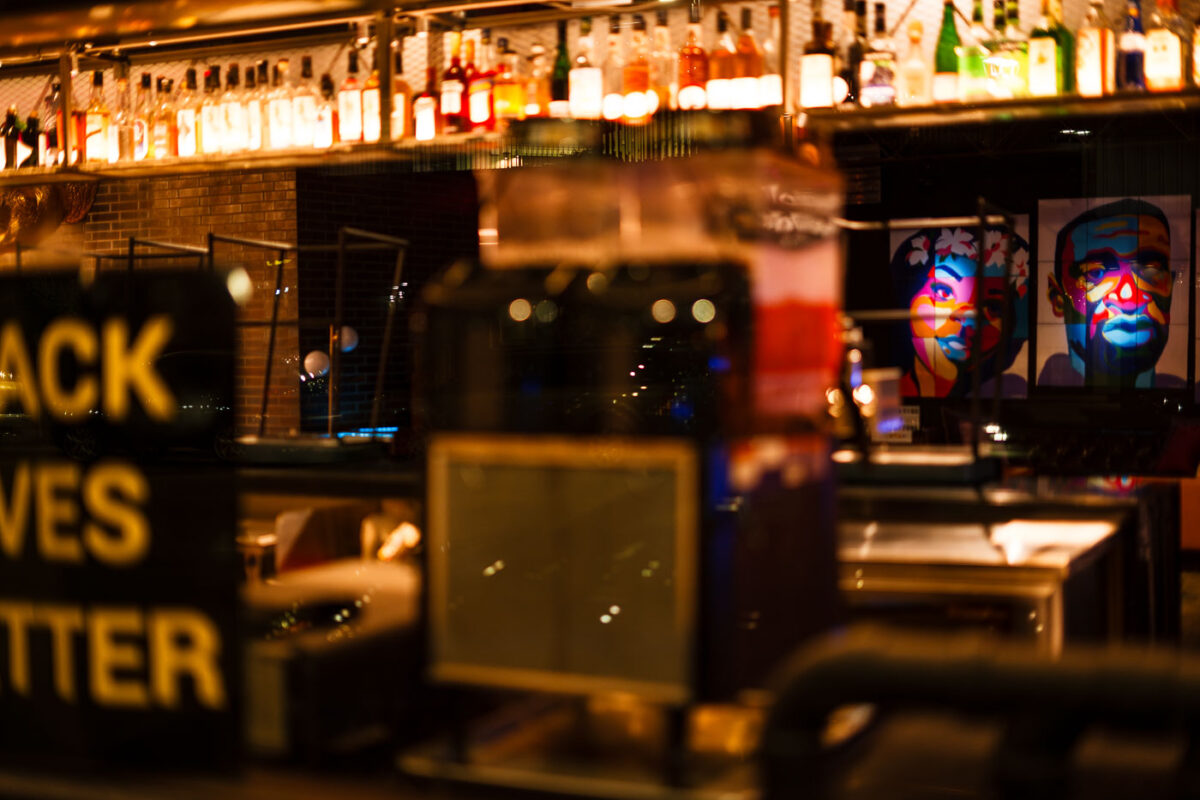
953 312
1112 288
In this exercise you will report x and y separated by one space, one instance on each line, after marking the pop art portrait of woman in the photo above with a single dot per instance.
952 312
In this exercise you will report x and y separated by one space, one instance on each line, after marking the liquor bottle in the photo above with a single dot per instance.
748 62
722 66
401 97
855 47
538 82
614 71
427 118
372 120
664 73
469 69
122 121
770 85
585 82
1000 64
1095 54
52 119
877 75
143 106
916 76
693 65
1194 57
349 104
508 90
1131 46
254 113
79 129
635 75
559 104
1166 49
32 138
1047 59
212 120
945 60
454 120
233 105
304 103
324 126
279 108
1016 46
9 131
185 114
162 130
481 85
972 67
95 148
816 66
263 86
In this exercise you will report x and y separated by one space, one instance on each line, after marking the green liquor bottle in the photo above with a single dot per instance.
945 59
972 71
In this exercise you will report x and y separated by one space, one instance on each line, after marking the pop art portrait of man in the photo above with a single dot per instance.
1112 287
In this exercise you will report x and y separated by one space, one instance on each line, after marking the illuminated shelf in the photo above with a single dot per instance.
862 119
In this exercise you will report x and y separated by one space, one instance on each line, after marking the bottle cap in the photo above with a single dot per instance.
614 23
639 22
190 77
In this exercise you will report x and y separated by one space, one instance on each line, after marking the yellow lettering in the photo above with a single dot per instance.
14 364
78 337
17 617
134 370
53 511
111 494
14 514
106 655
63 621
185 642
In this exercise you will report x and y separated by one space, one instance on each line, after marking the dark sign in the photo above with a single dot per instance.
118 573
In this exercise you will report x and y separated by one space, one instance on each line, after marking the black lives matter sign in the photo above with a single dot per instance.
118 571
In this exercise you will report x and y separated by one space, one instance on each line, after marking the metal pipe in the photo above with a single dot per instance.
385 347
179 248
266 392
916 222
335 330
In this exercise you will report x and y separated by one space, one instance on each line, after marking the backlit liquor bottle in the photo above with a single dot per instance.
78 129
481 85
262 83
96 147
163 128
539 82
1095 54
325 127
877 75
1131 51
143 110
304 104
10 133
237 128
972 67
770 85
401 97
1045 58
1194 58
693 65
559 103
349 103
427 118
371 102
614 71
854 16
1016 45
664 73
916 74
1166 49
254 112
585 93
185 114
32 137
52 118
817 67
212 119
1001 66
749 65
469 69
508 90
452 106
945 58
122 121
722 66
635 75
279 108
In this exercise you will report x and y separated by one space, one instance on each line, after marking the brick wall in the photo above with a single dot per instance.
182 209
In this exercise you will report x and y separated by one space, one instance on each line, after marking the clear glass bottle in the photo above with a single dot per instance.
427 117
185 115
1131 47
254 111
748 64
212 120
1016 46
233 104
693 64
945 58
401 97
877 75
586 80
1095 54
817 68
722 66
122 121
163 129
143 110
972 69
481 106
916 74
508 90
614 71
635 75
770 85
323 126
304 105
279 108
453 90
851 56
372 103
1166 48
540 82
96 145
664 72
